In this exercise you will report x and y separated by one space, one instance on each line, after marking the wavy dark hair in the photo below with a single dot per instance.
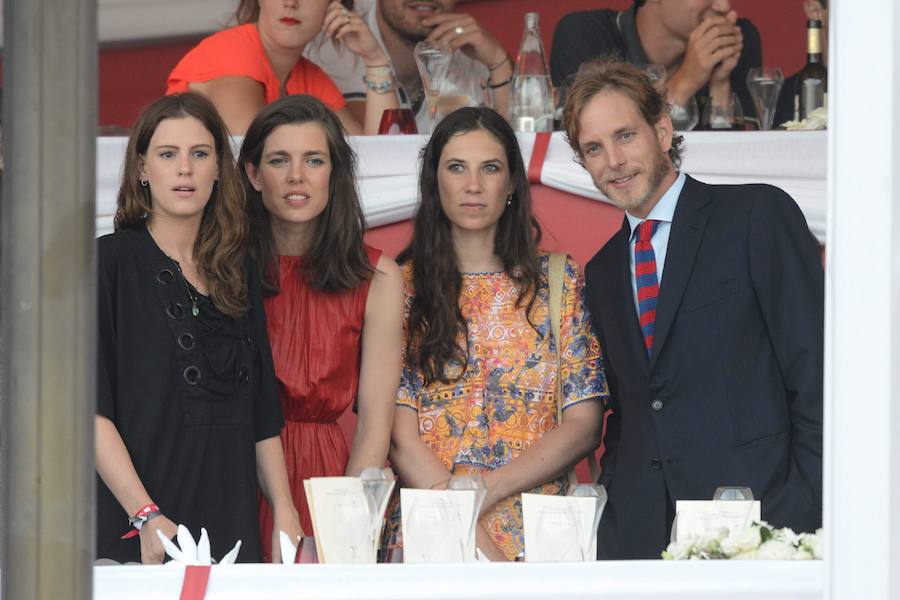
435 323
337 258
248 10
221 242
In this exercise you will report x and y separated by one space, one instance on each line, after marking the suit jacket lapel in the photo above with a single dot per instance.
688 225
630 324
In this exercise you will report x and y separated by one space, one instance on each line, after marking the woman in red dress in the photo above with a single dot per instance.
334 305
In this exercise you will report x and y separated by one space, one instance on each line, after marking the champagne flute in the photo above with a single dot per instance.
433 62
764 84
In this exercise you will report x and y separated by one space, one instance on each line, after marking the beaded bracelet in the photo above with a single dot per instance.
380 87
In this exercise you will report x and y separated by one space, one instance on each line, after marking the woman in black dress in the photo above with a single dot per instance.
188 413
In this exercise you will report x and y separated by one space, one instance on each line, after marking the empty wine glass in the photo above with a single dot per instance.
685 116
377 486
433 62
764 84
743 494
353 529
438 530
727 116
558 534
477 484
598 492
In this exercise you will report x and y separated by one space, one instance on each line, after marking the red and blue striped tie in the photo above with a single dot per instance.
645 277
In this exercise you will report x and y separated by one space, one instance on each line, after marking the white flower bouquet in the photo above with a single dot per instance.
760 541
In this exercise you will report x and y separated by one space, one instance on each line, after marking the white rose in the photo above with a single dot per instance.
741 540
814 543
681 549
802 554
775 550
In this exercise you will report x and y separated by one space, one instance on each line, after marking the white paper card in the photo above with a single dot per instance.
559 528
696 518
340 518
435 524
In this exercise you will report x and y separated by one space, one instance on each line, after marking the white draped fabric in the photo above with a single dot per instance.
388 166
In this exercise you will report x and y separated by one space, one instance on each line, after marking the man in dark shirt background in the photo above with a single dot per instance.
704 47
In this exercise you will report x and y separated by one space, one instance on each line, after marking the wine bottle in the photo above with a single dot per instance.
812 81
531 102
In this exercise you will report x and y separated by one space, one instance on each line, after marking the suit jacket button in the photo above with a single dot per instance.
656 464
657 405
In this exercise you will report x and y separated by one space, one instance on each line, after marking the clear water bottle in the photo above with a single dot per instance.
531 104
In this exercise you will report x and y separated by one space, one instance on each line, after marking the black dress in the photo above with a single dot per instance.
190 397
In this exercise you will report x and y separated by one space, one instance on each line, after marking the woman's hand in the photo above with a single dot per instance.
152 551
287 520
348 27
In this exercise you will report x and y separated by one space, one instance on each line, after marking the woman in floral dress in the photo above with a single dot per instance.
478 389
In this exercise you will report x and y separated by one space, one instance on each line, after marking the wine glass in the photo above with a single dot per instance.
729 116
743 494
558 534
397 121
438 530
598 492
377 485
353 529
685 116
477 484
764 84
433 62
656 74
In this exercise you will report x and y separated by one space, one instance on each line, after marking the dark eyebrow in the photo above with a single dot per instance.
285 153
174 147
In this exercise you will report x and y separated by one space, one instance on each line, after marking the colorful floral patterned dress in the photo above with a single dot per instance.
506 399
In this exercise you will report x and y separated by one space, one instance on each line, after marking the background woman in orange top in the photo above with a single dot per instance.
333 306
243 68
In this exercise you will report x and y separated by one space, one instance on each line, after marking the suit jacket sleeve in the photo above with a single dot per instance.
787 276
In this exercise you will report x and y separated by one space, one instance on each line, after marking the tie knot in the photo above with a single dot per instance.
646 230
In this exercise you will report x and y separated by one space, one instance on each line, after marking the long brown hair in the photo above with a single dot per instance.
337 258
604 74
435 322
248 10
220 246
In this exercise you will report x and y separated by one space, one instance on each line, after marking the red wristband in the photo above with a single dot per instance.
140 517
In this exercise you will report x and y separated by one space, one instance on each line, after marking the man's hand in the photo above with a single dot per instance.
152 551
712 53
463 32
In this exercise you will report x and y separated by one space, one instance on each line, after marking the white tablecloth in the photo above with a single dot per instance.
388 167
623 580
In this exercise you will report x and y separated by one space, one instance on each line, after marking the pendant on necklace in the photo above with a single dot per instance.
195 310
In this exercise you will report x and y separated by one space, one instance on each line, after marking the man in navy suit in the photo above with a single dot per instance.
709 307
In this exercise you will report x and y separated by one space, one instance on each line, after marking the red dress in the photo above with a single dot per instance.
316 343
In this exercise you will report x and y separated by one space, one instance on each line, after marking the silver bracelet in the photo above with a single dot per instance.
380 87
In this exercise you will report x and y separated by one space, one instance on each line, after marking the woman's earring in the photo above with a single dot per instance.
145 183
509 200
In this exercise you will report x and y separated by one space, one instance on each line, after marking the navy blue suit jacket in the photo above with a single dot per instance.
736 367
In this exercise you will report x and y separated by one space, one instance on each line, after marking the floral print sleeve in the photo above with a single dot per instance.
581 360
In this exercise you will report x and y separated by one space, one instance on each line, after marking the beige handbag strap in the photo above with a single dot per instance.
555 277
